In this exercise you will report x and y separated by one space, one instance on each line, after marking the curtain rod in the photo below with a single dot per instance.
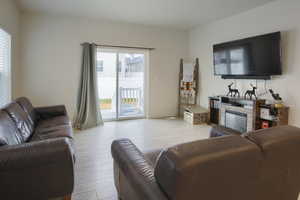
126 47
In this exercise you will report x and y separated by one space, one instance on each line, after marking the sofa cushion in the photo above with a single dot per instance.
9 134
280 168
54 121
195 169
21 120
28 108
42 133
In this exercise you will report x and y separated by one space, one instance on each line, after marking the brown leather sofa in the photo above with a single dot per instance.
36 152
261 165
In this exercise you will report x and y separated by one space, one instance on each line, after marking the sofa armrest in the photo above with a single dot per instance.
37 170
51 111
217 131
139 173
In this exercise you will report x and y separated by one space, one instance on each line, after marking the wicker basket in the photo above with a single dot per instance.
195 118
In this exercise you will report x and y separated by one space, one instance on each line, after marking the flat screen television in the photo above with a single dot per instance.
251 58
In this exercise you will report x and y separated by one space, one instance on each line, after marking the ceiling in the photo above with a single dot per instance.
182 14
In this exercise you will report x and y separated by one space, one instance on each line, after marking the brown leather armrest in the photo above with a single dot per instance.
139 172
51 111
42 169
34 154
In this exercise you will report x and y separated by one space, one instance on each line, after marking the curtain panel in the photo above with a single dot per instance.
88 106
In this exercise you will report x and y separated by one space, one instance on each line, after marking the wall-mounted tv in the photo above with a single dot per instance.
251 58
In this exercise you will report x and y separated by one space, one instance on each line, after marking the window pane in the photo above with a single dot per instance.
5 76
131 85
106 77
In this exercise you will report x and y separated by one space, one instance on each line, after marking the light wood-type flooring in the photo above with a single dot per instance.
93 170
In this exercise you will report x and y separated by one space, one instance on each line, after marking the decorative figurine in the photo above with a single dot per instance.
251 93
233 92
275 96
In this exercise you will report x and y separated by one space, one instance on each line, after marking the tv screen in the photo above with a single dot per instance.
256 56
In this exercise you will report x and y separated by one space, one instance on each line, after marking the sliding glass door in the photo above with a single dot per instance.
121 83
131 85
107 77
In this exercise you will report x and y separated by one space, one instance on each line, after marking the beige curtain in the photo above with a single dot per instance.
88 107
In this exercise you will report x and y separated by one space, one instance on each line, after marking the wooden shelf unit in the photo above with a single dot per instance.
280 114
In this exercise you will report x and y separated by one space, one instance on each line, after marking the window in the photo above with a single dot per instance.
5 65
134 63
99 66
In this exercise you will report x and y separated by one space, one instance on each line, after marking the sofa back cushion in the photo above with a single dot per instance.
21 120
210 169
28 108
280 169
9 134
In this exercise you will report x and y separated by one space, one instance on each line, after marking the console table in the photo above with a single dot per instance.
245 115
239 114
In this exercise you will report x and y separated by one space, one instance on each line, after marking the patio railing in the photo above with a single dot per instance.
130 96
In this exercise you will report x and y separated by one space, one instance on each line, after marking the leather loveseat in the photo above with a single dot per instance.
261 165
36 152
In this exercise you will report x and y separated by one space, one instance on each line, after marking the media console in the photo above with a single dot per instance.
237 113
245 115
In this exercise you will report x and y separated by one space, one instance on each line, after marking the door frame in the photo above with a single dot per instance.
146 54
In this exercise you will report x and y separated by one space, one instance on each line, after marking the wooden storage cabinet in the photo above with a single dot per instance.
259 114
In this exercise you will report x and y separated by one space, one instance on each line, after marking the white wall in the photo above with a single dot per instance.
278 16
51 58
9 21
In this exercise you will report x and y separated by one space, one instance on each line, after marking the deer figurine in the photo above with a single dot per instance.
251 93
232 92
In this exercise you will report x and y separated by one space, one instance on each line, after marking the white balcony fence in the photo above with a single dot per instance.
131 102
